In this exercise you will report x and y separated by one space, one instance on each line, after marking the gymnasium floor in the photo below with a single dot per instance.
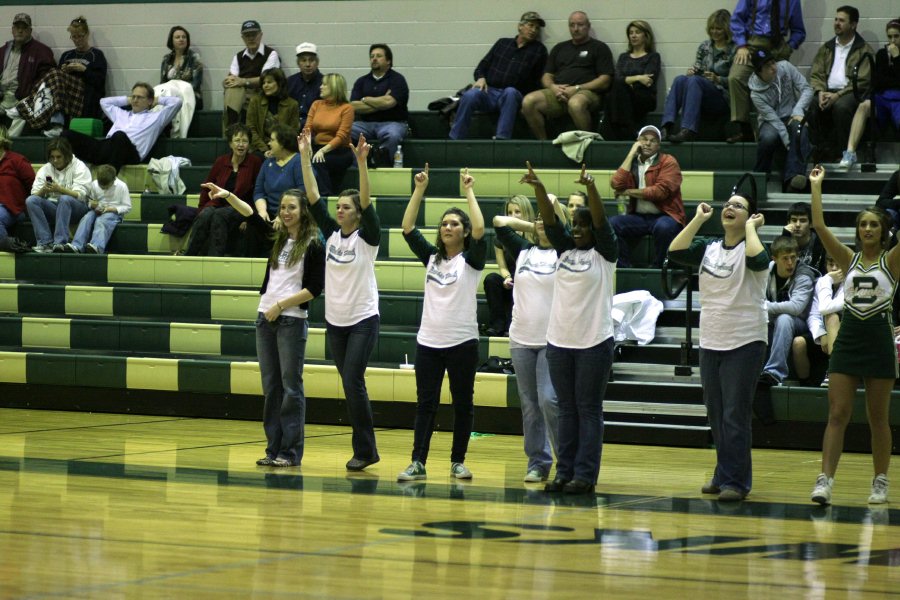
125 506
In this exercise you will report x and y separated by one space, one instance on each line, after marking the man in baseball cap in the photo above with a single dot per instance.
243 75
24 61
510 69
304 86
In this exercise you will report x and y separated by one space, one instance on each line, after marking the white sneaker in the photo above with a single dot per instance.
460 471
879 489
414 472
535 476
53 132
847 159
43 248
822 491
89 248
13 113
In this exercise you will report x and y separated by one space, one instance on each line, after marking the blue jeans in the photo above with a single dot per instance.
7 221
540 411
797 154
506 101
729 380
350 348
695 95
388 133
98 227
66 211
634 226
280 348
782 332
579 377
460 363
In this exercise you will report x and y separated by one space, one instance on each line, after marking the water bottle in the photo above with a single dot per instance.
398 158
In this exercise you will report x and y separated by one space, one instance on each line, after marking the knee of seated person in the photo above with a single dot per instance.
799 344
511 92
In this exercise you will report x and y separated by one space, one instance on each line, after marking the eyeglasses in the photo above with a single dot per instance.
735 205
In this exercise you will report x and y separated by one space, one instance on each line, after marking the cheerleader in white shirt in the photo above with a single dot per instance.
532 294
448 333
351 301
579 351
864 348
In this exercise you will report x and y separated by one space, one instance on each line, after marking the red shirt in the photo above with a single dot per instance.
16 179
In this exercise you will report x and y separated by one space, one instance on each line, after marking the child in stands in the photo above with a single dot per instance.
108 201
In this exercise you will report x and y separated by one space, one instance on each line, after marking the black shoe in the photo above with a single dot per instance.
556 485
358 464
578 486
685 135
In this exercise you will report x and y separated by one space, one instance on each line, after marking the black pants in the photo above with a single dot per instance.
116 150
212 229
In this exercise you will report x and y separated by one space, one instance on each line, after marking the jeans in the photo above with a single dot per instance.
579 377
389 133
797 153
98 227
781 335
280 348
460 363
540 411
694 95
7 221
499 301
506 101
634 226
330 174
65 211
351 347
729 380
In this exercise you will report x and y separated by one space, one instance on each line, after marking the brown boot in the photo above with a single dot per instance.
685 135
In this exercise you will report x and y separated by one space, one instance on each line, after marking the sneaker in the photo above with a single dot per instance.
822 491
847 159
535 476
58 248
70 248
43 248
89 248
460 471
824 383
13 113
710 488
358 464
879 489
283 462
413 472
53 132
266 461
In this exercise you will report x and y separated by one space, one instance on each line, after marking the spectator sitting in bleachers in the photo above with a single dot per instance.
218 220
304 86
182 63
704 90
633 91
72 90
329 123
272 106
133 132
809 247
25 60
885 91
58 196
824 321
379 100
888 201
577 72
651 180
16 180
279 172
510 69
108 202
243 79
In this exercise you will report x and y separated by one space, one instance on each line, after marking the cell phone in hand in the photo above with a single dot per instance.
49 179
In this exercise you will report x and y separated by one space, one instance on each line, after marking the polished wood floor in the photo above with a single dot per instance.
124 506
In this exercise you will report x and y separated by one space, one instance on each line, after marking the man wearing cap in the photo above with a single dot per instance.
304 86
758 25
651 182
781 94
834 104
243 75
24 61
379 102
511 69
577 72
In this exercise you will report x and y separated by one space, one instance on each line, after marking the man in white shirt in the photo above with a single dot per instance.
243 74
834 104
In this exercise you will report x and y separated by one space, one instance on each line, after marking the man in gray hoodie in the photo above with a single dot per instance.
781 94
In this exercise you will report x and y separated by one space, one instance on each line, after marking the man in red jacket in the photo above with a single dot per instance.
650 182
16 179
23 61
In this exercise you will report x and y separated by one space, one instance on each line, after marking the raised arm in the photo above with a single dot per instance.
545 206
513 223
412 209
304 143
361 152
595 202
475 215
752 245
841 254
236 203
684 238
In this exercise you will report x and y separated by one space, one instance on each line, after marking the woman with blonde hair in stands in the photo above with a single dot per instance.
498 287
329 122
533 293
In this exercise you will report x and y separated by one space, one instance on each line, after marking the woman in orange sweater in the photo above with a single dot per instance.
329 123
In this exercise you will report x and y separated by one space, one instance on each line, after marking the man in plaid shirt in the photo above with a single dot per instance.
512 68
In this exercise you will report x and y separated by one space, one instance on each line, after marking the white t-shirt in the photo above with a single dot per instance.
351 292
532 295
449 312
283 282
584 287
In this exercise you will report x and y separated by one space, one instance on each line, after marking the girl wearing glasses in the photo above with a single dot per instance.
733 275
